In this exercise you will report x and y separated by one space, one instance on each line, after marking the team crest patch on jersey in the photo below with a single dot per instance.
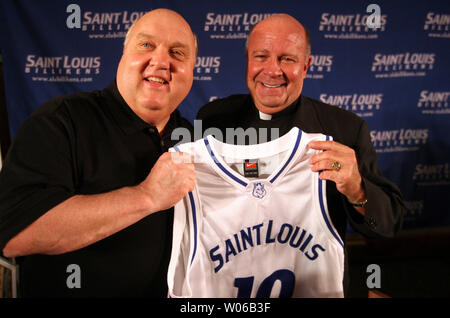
258 190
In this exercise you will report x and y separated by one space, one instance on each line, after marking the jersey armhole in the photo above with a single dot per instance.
322 193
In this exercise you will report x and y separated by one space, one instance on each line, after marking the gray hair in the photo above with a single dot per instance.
127 36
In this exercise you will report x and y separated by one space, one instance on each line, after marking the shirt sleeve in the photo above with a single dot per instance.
38 173
385 207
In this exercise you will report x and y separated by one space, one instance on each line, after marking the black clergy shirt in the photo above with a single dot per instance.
385 207
87 143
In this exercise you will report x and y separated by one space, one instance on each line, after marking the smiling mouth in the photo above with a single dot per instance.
271 86
155 79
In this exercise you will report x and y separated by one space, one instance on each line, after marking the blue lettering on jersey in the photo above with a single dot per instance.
288 235
229 250
257 228
216 257
269 233
315 253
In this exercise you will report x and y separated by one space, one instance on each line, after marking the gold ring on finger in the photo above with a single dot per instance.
336 166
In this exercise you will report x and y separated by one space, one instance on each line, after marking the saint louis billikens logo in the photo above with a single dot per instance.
259 191
353 25
62 68
231 26
101 25
363 105
437 25
399 140
206 67
320 65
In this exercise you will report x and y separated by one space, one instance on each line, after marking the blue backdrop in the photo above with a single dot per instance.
395 76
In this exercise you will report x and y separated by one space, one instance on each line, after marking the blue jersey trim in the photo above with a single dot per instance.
194 221
325 217
297 143
216 161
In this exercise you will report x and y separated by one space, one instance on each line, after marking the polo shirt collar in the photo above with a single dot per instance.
125 117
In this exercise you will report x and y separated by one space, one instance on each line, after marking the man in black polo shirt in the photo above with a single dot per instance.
86 191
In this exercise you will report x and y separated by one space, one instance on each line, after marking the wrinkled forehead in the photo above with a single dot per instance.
279 43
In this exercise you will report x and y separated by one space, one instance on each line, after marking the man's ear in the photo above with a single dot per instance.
307 64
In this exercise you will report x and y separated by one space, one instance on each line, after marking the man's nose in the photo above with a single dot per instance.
273 67
160 58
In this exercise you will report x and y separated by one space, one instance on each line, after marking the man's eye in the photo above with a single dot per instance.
259 57
146 45
287 59
179 54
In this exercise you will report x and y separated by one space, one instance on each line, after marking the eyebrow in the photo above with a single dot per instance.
260 51
173 44
265 51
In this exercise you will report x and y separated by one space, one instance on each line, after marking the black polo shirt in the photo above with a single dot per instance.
87 143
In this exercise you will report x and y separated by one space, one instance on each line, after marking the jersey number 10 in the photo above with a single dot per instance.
285 276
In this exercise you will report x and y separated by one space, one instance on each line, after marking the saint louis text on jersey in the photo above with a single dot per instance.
292 236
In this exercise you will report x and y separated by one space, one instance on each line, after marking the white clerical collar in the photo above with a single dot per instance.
264 116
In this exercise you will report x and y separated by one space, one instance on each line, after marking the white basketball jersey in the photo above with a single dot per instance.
267 236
